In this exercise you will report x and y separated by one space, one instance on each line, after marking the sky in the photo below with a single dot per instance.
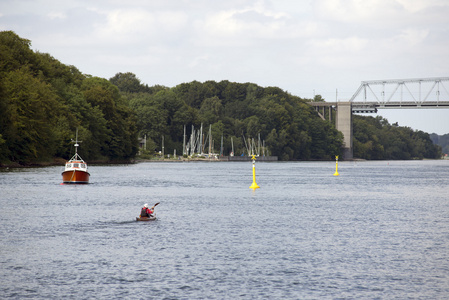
305 47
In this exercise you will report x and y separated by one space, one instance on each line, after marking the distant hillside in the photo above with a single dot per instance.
442 141
375 138
234 112
43 102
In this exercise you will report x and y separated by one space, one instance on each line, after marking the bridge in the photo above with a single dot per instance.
415 93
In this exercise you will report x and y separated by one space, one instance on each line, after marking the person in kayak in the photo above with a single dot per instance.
146 212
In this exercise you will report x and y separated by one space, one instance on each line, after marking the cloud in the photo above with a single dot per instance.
382 13
299 45
414 6
412 37
365 11
252 27
248 23
57 15
125 22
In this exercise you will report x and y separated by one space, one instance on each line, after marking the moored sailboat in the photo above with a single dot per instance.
76 168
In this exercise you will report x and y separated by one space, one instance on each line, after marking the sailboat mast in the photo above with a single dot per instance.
250 146
210 140
263 148
184 142
201 140
246 145
192 143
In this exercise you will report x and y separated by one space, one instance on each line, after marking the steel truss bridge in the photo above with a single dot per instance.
402 93
385 94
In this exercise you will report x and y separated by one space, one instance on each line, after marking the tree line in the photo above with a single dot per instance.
289 126
442 141
43 102
375 138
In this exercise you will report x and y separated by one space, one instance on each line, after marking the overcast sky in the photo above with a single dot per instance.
305 47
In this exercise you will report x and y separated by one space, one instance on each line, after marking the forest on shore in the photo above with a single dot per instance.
43 102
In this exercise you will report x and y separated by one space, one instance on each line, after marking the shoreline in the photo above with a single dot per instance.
61 162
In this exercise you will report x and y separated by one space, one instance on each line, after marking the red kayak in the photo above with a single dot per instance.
146 218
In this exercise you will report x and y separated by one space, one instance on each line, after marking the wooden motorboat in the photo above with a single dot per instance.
146 218
76 168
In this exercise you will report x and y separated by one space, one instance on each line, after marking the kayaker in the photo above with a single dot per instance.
146 212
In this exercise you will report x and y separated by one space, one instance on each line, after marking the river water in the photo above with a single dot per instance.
380 230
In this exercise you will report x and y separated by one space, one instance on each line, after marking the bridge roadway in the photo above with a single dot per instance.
414 99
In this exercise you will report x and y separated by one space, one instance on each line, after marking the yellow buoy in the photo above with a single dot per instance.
254 185
336 166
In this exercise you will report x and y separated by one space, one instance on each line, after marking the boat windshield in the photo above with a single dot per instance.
76 165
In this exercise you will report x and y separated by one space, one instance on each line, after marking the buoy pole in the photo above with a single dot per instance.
254 185
336 166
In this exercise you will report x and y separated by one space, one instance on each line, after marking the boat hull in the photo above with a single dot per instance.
75 176
145 218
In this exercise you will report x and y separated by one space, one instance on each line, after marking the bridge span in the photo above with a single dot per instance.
418 93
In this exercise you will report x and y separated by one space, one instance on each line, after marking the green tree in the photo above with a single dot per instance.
31 113
15 52
211 110
121 141
128 83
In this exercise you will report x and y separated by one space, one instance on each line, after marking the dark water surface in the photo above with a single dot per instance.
380 230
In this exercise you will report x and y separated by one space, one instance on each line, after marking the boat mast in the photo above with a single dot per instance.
250 146
76 142
210 140
198 142
201 140
184 142
246 145
192 143
263 148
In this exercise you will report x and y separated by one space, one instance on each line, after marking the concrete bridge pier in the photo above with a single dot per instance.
344 124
